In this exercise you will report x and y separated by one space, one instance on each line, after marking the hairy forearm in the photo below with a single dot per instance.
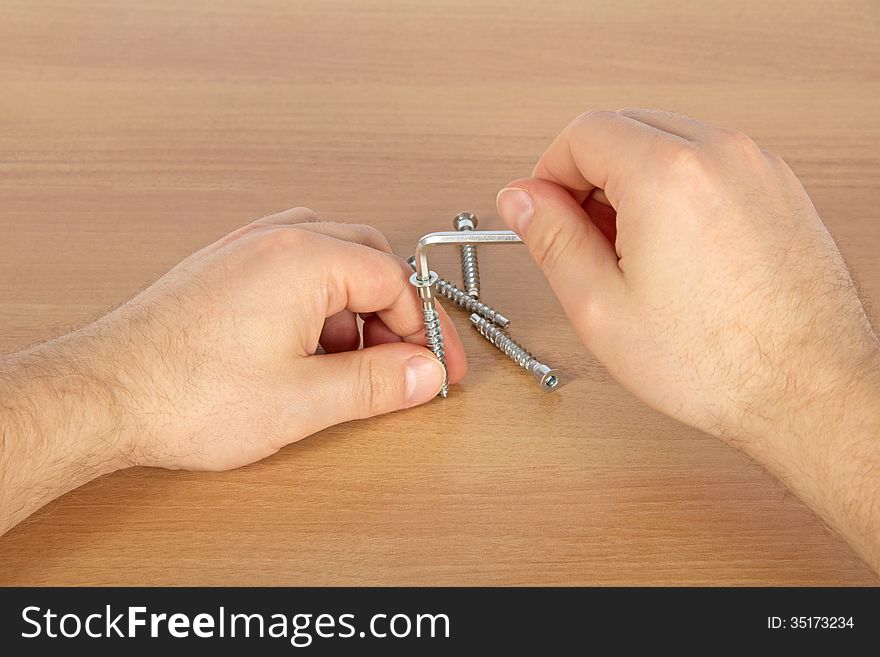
60 424
828 452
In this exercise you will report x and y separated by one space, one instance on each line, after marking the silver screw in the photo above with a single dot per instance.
470 268
460 298
544 374
432 321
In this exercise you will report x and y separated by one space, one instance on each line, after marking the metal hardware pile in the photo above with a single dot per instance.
491 324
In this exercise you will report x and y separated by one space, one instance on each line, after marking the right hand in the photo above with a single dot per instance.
695 267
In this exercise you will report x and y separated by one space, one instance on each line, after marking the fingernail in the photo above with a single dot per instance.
424 376
516 208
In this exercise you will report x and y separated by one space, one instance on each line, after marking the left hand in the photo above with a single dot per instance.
215 365
216 362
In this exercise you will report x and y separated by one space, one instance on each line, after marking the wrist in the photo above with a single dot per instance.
822 406
826 449
90 391
63 414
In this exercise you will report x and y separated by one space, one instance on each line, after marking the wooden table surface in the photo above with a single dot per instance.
134 132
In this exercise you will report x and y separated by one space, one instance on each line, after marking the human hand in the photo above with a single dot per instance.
692 264
216 364
695 267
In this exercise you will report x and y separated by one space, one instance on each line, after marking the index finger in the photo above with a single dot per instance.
608 151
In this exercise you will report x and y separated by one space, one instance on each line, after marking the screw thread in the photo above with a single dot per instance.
435 340
470 270
463 300
510 347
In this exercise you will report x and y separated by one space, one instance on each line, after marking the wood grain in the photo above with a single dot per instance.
132 133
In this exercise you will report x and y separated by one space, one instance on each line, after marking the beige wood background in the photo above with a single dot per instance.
134 132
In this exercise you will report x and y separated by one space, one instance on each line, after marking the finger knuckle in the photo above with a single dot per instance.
282 240
631 109
735 142
372 236
307 214
683 162
551 248
772 158
777 162
373 387
593 116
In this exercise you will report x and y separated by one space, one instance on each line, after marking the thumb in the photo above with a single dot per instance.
577 259
358 384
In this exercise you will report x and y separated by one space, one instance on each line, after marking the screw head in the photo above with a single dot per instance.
465 221
548 377
421 283
550 381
